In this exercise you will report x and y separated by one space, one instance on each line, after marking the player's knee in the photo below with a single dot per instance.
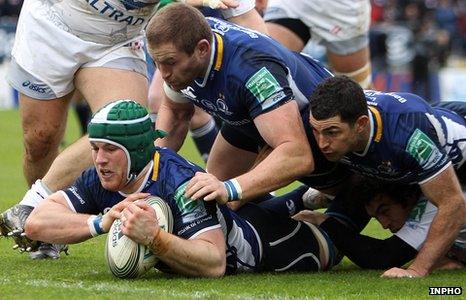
363 75
39 144
199 119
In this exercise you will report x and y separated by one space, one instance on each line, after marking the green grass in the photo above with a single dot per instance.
83 274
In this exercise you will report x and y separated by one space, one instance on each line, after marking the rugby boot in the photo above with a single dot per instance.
12 222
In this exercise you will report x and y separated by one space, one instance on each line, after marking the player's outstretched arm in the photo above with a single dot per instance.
443 191
53 221
202 256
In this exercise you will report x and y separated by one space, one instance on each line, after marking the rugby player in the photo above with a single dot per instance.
94 47
398 137
401 209
257 87
208 239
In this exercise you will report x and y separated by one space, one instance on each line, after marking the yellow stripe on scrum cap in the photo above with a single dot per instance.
378 120
155 172
218 60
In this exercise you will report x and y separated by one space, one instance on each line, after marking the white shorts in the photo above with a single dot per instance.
46 55
55 38
340 25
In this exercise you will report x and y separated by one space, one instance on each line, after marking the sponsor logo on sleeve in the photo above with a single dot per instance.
416 214
265 88
74 190
190 209
423 149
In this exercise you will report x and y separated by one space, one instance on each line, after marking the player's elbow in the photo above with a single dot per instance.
309 165
217 271
306 163
218 268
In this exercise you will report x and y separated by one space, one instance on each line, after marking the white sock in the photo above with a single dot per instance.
314 199
36 194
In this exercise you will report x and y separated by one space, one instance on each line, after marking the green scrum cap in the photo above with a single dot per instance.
127 125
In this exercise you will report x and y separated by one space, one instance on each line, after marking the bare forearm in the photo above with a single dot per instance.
57 227
176 125
443 231
283 165
189 257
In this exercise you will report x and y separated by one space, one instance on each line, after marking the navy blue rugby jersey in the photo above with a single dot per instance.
250 74
168 179
410 141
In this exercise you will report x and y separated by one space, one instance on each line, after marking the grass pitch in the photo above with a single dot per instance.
83 274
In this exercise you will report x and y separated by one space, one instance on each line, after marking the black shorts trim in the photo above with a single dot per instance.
295 25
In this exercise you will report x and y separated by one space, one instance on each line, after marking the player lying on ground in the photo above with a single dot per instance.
400 208
95 48
208 239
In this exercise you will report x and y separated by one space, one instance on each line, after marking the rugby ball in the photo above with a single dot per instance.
128 259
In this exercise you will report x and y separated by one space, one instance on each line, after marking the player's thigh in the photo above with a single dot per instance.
347 63
285 36
101 85
43 121
227 161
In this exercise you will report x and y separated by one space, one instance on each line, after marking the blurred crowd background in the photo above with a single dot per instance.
416 46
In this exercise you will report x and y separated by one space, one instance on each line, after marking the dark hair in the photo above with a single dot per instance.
365 190
338 96
180 24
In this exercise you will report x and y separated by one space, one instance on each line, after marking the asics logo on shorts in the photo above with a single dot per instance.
35 87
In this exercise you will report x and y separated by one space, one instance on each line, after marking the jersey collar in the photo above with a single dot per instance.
216 56
371 135
144 181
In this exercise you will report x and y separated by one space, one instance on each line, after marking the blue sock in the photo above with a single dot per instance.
287 204
204 138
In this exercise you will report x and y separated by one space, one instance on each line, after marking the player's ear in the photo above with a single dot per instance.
203 48
361 123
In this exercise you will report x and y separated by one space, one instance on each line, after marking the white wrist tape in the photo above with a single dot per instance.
233 189
95 225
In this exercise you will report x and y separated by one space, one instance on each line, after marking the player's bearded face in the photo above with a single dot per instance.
111 164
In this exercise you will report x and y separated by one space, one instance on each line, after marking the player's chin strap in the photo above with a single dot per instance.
158 134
